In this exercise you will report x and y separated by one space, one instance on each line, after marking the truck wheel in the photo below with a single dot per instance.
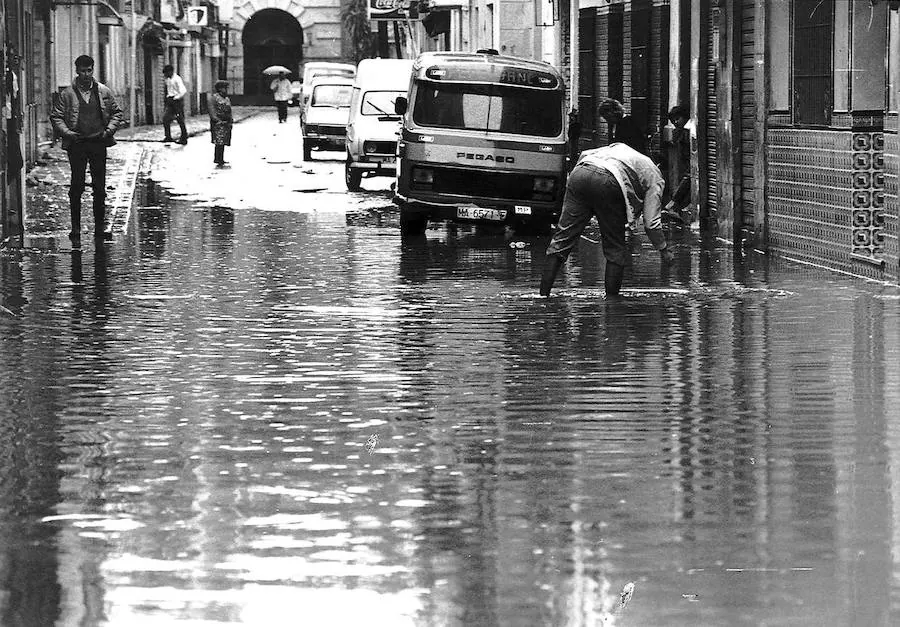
307 151
352 176
412 224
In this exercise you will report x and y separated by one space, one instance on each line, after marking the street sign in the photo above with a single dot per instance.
387 9
545 13
197 16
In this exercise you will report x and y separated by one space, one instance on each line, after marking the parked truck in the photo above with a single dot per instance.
483 140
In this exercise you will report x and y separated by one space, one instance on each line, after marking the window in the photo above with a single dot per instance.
332 96
489 108
812 61
380 102
586 77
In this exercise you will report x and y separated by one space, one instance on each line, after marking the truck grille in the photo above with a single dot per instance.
322 129
380 148
485 184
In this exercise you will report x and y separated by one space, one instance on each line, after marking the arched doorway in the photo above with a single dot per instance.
270 37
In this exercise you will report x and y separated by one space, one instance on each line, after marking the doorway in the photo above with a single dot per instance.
270 37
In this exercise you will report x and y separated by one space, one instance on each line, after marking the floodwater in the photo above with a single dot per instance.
276 418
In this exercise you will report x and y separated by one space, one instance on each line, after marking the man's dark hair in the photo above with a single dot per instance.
679 111
168 68
610 107
84 61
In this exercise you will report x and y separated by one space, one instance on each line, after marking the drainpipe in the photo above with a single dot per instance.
573 54
497 44
133 89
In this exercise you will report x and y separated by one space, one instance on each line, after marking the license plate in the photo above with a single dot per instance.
523 210
480 213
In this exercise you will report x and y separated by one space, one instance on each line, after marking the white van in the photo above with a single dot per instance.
325 114
374 125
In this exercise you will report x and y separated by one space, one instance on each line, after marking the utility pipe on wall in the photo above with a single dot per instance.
133 88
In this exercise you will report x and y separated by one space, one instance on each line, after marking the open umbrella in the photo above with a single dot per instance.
272 70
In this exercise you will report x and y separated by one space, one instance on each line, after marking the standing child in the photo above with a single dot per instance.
220 121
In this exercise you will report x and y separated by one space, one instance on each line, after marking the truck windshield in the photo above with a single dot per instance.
497 108
332 96
380 102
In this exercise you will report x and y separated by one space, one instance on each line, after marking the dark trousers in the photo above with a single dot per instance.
174 111
592 191
282 110
82 155
219 154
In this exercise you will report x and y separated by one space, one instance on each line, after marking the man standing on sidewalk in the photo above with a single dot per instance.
281 86
175 92
87 116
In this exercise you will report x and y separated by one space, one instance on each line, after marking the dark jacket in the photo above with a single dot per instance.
64 115
628 131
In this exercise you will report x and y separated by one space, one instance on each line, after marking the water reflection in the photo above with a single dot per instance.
250 410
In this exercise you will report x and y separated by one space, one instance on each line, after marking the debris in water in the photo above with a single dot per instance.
625 596
371 443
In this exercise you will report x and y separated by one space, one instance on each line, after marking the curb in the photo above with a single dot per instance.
191 133
125 186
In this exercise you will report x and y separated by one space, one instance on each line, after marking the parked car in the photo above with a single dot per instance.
374 125
325 114
314 69
296 93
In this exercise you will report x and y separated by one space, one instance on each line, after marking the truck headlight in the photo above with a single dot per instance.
544 185
423 176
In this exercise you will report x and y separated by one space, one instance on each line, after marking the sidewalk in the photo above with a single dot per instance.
47 220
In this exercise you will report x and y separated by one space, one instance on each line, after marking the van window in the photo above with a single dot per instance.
497 108
332 96
332 72
379 102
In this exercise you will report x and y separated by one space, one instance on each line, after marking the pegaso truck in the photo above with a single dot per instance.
483 140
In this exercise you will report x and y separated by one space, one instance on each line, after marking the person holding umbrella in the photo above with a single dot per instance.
281 87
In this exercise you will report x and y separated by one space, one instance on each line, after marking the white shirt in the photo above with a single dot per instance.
282 89
175 87
641 181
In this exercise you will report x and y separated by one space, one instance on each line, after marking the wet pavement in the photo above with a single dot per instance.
259 407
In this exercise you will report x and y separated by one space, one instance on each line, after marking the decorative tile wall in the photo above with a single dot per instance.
809 191
891 204
832 198
868 194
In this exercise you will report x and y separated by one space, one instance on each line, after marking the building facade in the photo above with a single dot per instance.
795 104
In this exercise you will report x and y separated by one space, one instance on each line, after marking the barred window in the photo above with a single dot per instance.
812 61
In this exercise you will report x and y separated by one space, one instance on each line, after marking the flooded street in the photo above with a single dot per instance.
260 407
